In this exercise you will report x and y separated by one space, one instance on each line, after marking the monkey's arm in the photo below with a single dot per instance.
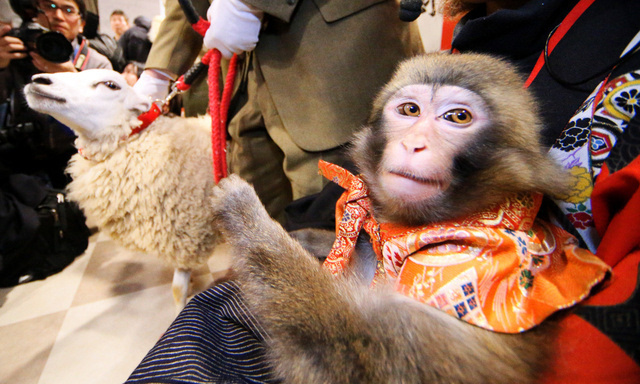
333 330
317 242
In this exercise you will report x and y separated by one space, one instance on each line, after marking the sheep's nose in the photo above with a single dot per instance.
42 80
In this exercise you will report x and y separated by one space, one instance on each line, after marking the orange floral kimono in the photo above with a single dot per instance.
501 269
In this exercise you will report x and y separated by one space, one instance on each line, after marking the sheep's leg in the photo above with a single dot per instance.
180 287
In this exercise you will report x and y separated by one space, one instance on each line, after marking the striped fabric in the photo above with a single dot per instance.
213 340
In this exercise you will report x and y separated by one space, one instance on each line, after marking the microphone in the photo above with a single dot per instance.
410 9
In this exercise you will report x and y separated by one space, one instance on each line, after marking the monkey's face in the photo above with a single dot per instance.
450 135
426 128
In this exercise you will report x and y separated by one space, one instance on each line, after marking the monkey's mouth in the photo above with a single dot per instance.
417 179
411 187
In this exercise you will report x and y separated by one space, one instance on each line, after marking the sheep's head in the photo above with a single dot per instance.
97 104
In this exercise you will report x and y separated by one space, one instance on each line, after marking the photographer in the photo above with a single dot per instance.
29 141
41 231
64 16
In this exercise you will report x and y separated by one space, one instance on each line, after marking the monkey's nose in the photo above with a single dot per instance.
414 143
43 80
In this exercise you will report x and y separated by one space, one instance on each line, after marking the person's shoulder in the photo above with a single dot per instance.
97 60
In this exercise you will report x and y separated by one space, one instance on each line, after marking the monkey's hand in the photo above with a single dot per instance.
239 213
263 248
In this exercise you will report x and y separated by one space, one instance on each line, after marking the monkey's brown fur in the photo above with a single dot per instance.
336 330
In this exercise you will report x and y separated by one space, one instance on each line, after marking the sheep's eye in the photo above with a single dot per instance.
458 116
111 85
409 109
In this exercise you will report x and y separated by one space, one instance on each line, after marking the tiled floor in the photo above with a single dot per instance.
94 321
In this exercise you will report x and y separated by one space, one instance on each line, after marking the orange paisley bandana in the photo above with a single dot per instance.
501 269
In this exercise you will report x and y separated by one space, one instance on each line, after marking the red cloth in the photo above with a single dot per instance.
585 354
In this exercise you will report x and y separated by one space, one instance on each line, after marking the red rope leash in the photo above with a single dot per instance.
218 108
201 26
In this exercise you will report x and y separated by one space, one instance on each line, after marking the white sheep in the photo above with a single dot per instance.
148 191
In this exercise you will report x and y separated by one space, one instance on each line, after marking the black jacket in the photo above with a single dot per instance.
135 41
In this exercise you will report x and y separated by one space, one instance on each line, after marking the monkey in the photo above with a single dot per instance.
449 137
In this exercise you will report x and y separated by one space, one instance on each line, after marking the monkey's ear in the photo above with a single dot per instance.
538 171
555 180
366 148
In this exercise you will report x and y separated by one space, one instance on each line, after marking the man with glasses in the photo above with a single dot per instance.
66 17
48 144
44 145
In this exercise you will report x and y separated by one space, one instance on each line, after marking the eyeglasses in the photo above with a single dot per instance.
51 8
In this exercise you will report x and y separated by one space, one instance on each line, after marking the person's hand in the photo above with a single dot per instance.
235 27
49 66
11 48
153 84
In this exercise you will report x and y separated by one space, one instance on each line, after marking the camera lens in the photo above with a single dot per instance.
53 46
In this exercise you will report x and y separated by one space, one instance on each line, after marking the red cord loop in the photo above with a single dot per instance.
217 108
181 85
201 26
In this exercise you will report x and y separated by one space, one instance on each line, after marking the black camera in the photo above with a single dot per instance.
52 46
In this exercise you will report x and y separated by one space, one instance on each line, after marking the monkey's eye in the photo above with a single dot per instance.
458 116
409 109
111 85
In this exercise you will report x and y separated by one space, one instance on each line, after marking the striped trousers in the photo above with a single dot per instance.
213 340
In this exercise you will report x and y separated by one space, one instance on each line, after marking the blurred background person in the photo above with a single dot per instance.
132 72
119 23
135 42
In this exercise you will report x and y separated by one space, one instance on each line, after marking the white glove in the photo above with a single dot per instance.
157 88
234 27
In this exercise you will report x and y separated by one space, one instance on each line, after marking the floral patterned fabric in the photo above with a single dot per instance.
500 269
588 140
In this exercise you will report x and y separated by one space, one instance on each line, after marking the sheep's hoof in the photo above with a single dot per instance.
180 287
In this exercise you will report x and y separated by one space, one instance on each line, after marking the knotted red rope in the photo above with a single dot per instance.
218 107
